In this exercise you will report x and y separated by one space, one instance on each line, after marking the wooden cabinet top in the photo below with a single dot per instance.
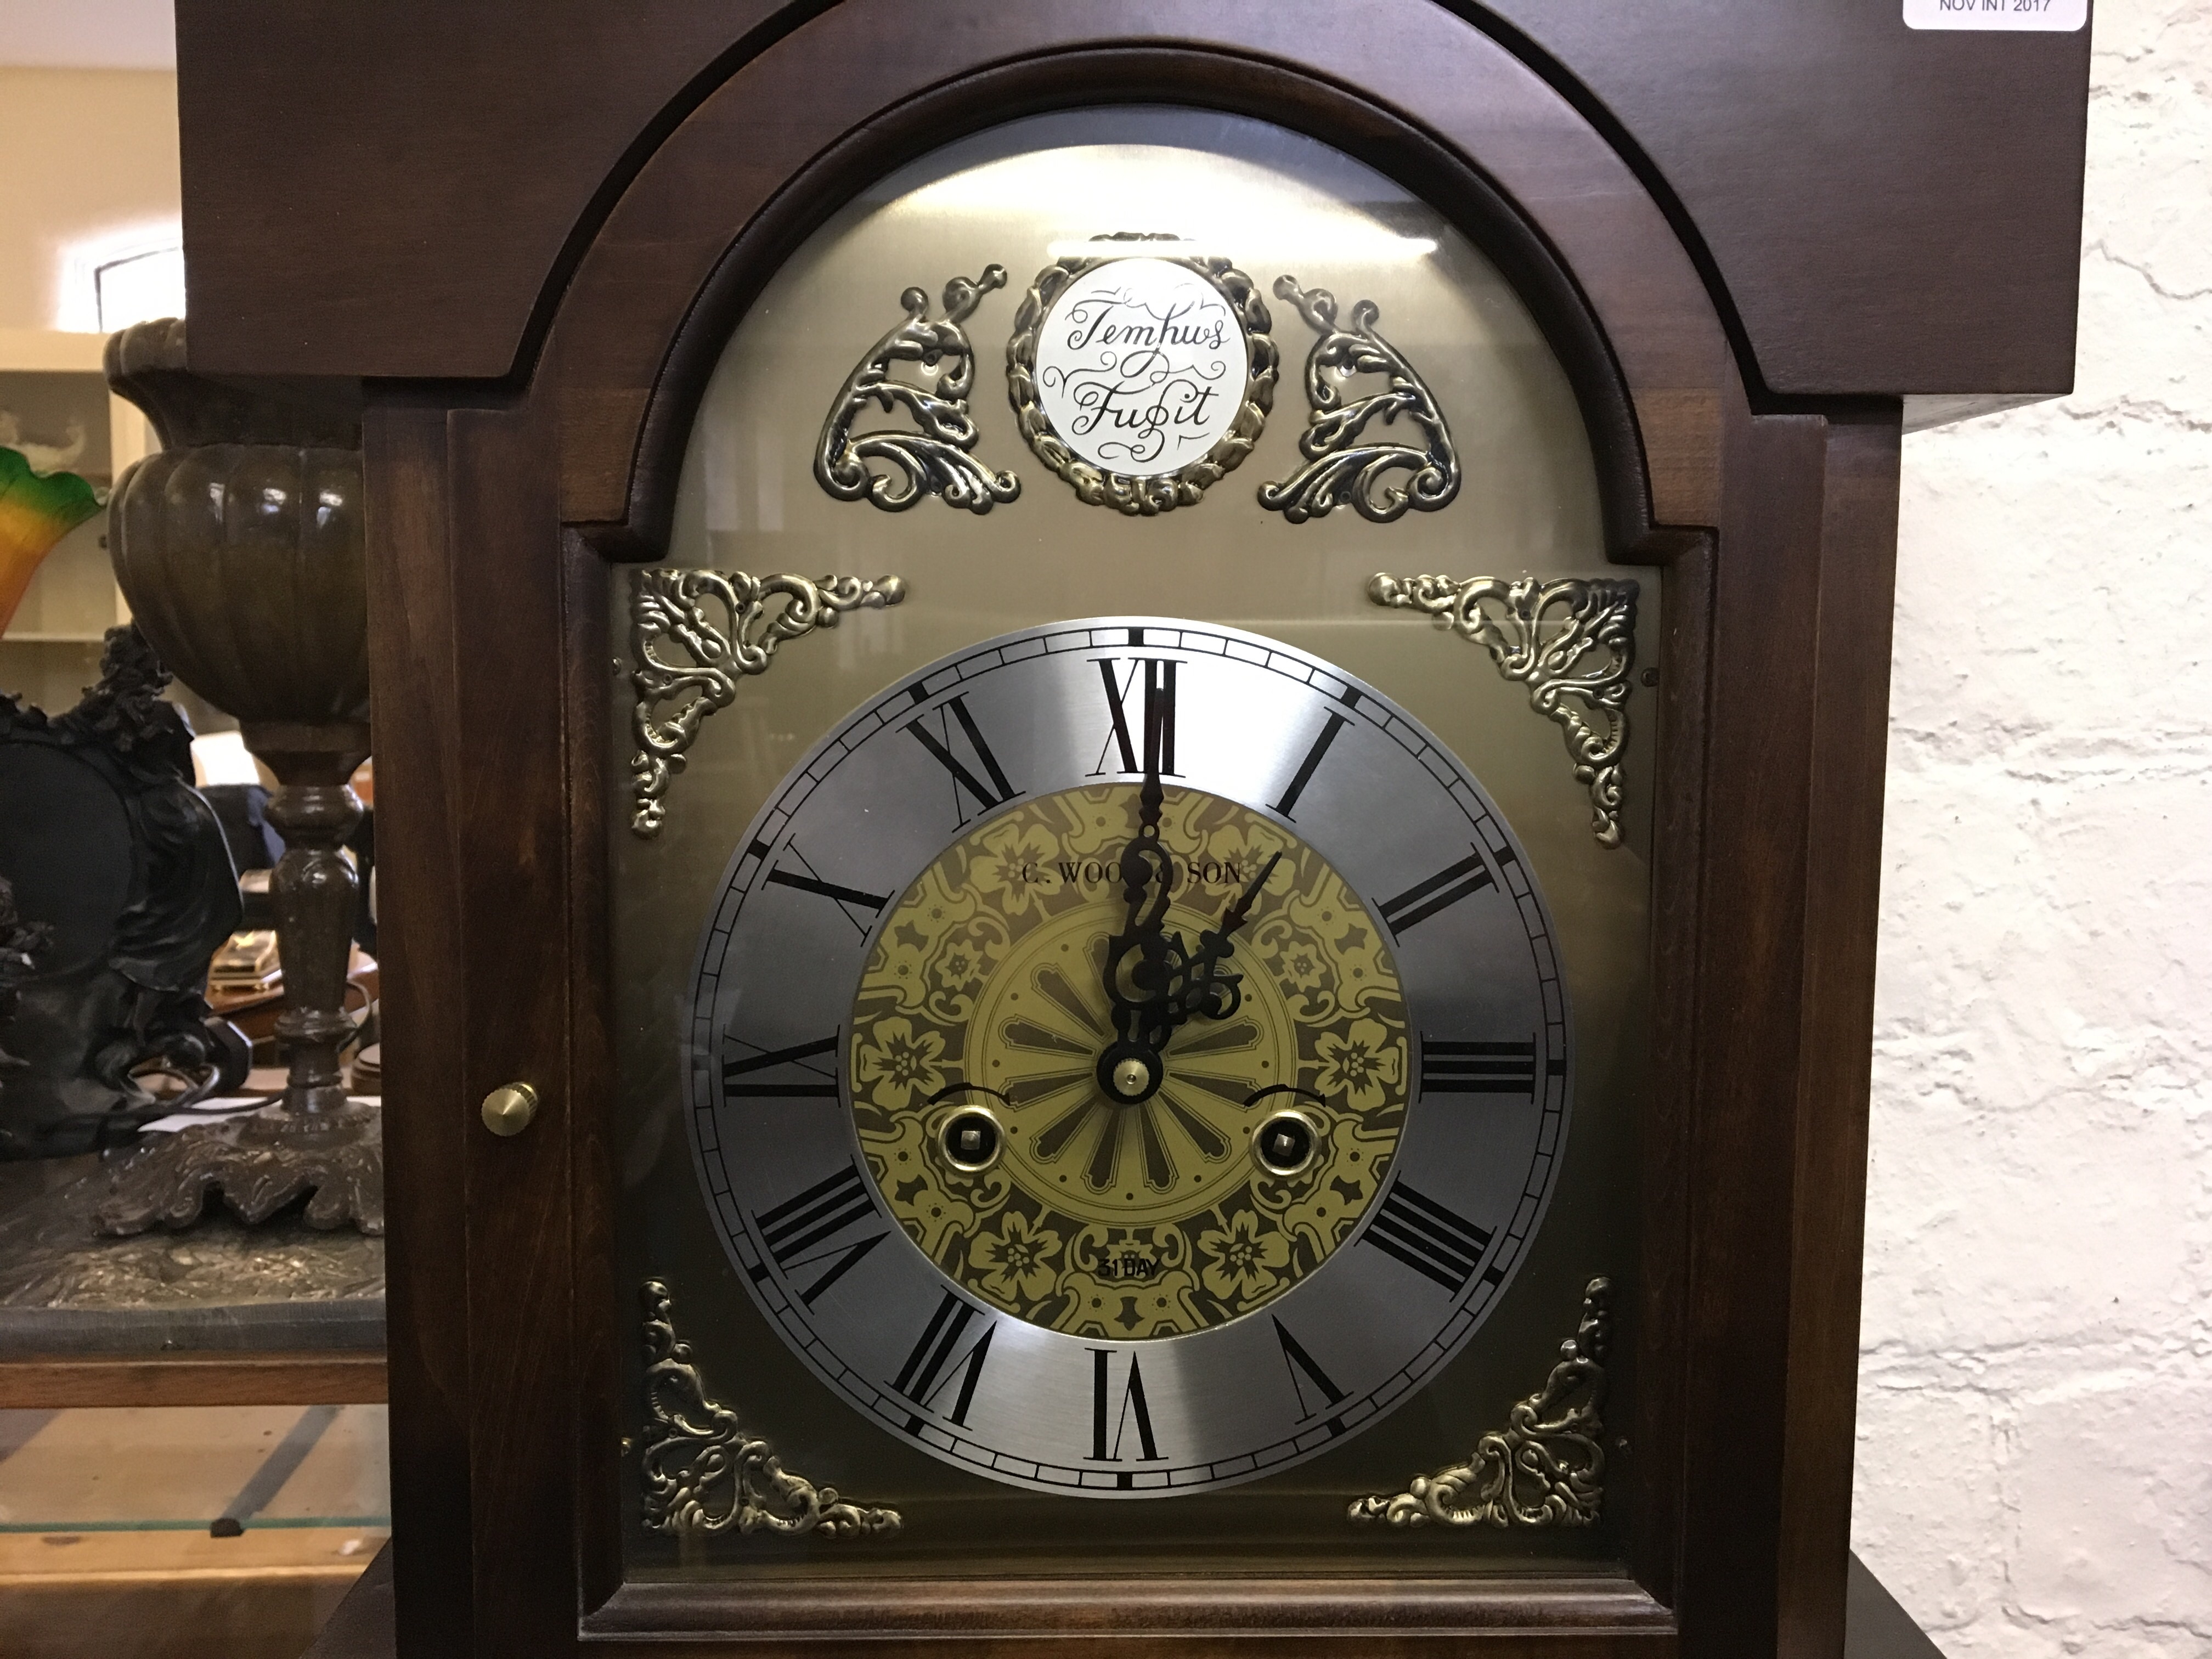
402 189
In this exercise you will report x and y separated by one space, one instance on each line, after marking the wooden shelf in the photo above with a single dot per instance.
54 1382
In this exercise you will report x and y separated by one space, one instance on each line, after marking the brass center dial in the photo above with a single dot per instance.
1186 1182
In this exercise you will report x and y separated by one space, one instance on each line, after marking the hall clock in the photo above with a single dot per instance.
1158 731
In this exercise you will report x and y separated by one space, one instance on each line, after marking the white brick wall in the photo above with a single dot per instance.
2035 1428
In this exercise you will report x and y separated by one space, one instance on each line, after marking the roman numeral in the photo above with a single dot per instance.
937 1358
1311 763
746 1065
1478 1068
1433 1241
792 1229
1158 740
1296 1360
997 791
1110 1425
829 889
1439 892
807 880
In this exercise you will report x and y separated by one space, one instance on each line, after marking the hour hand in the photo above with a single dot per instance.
1144 962
1145 965
1143 866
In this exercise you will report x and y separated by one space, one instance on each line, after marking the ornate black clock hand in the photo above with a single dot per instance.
1233 917
1145 878
1142 992
1217 995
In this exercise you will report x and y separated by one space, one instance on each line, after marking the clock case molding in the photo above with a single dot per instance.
495 508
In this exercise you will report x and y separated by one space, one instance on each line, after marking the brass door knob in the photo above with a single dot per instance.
508 1110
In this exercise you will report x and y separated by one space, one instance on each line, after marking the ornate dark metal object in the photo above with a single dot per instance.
934 460
1158 492
317 896
21 943
239 546
702 1473
1572 642
124 887
1546 1468
1339 467
667 603
222 1286
261 1163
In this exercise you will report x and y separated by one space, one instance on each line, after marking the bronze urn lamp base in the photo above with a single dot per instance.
239 546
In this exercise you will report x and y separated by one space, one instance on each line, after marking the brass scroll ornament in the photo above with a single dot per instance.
1546 1468
934 459
1572 642
703 1473
1344 462
667 603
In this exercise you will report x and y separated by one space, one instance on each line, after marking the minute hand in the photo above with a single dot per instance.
1143 992
1207 993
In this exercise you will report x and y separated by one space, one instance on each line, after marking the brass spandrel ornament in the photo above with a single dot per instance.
895 469
729 623
700 1473
1545 1468
1572 642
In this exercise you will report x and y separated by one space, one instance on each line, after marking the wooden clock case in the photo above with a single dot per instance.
532 249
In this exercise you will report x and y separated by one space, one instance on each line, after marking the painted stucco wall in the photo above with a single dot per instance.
2035 1433
84 154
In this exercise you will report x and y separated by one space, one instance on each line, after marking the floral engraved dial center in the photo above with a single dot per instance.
1127 1201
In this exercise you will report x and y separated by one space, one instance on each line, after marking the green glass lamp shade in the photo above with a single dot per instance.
37 509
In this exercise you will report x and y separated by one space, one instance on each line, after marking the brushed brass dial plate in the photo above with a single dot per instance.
1157 1217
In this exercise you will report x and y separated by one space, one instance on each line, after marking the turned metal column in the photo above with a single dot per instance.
240 548
316 895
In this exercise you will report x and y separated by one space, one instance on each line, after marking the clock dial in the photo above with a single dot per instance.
986 1008
1096 1090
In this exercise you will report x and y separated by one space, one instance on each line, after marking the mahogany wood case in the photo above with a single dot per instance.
1746 229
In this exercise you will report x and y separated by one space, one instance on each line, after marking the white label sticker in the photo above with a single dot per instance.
2059 17
1140 366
